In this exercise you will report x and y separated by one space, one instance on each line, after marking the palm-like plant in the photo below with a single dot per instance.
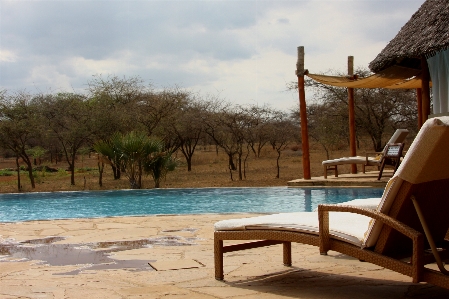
135 154
159 165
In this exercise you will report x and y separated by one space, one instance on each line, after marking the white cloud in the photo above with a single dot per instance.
246 50
7 56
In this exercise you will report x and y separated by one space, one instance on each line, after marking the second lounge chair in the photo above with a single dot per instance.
367 160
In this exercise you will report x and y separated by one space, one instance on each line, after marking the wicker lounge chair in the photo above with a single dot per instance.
410 221
370 158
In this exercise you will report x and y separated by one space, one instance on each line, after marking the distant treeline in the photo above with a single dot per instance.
116 114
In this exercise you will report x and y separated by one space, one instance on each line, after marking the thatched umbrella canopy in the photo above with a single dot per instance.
426 33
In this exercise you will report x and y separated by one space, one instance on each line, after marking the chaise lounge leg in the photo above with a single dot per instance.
287 253
218 256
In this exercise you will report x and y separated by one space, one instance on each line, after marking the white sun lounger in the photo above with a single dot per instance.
398 137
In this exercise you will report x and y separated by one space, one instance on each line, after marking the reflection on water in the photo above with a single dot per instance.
87 256
308 200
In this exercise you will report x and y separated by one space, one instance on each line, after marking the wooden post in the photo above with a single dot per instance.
303 114
419 104
352 141
425 89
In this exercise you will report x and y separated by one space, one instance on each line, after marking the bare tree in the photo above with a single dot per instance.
19 128
282 131
69 117
188 127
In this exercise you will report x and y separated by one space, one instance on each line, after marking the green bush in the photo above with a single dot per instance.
6 172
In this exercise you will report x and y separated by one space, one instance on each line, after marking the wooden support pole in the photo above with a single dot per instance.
352 141
419 104
425 89
303 114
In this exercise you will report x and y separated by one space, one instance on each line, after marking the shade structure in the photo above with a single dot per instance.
395 77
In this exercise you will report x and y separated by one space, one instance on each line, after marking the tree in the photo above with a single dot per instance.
159 165
225 125
135 154
282 131
19 128
256 134
155 107
327 124
69 117
36 152
187 126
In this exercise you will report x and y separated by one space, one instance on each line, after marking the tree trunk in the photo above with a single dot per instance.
240 166
30 173
244 161
277 163
100 170
231 163
72 171
116 172
189 163
230 172
19 187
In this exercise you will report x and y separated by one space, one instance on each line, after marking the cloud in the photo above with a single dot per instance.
244 50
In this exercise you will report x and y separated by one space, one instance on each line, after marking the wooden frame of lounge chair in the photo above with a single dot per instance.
391 157
334 166
325 243
413 246
409 227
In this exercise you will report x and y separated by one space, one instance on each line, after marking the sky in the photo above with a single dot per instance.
243 52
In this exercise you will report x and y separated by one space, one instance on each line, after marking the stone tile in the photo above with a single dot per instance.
256 273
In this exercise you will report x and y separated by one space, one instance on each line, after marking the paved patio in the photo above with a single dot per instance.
181 248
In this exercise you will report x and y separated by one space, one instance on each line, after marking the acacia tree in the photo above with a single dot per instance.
155 107
187 126
69 117
327 124
115 106
256 134
226 126
281 132
19 128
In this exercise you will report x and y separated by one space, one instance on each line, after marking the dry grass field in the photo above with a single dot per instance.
208 170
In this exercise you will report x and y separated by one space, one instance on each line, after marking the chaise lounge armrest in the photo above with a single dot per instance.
323 215
416 237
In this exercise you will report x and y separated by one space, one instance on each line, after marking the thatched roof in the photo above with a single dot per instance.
425 33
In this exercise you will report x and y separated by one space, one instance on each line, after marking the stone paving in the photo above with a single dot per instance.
181 248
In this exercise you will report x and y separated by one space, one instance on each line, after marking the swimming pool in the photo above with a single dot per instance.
92 204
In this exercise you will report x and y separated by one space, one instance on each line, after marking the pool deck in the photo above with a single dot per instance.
186 268
368 179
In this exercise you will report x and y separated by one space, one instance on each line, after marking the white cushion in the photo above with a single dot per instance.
349 227
366 203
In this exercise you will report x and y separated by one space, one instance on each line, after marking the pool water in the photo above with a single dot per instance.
92 204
